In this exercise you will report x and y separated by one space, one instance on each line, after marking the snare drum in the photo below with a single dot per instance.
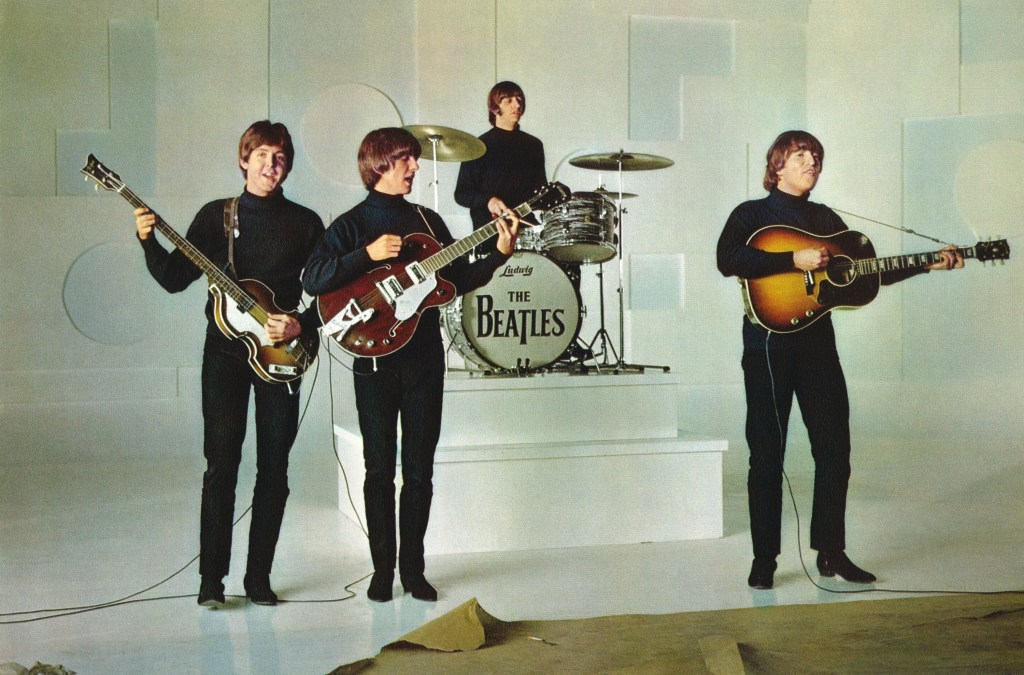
523 319
529 238
581 230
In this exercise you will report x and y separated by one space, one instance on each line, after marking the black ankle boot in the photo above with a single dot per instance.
258 589
380 586
831 563
762 573
211 593
420 588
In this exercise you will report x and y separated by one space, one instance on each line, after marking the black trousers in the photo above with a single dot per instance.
227 380
408 388
775 369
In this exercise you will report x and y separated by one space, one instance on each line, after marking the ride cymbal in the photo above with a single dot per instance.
621 161
452 145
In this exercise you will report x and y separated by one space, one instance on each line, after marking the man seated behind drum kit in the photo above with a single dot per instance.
511 169
508 174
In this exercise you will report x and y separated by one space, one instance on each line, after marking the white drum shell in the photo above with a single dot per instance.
581 230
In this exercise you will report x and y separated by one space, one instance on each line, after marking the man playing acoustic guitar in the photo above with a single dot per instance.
777 365
272 238
406 384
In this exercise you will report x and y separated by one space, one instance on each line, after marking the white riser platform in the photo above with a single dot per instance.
573 461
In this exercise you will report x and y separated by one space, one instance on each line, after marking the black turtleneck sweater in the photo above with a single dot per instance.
511 169
341 255
275 239
736 258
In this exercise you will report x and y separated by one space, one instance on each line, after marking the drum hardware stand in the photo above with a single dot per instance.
434 139
602 333
620 364
620 161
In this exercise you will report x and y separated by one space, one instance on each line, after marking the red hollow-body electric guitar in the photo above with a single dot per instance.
378 312
791 301
240 308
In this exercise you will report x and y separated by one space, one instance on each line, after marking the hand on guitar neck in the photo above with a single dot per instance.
952 259
507 232
145 221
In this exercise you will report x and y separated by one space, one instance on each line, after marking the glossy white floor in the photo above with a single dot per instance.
93 532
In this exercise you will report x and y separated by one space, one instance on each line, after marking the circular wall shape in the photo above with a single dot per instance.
335 123
988 189
102 297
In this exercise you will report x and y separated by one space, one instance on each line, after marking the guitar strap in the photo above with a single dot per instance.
231 230
424 217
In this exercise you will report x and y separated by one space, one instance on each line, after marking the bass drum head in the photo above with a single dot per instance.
523 319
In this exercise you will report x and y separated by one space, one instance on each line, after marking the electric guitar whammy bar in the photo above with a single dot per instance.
791 301
240 308
378 312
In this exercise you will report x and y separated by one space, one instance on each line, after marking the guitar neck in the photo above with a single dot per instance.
449 254
216 276
906 262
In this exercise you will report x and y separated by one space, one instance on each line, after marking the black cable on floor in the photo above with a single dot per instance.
873 589
55 613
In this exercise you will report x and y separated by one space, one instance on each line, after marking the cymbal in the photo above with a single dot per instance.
613 195
452 145
626 161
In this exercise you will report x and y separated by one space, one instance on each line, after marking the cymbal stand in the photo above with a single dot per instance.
602 333
620 364
434 140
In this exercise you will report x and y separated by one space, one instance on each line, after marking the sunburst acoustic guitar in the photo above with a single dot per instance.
792 301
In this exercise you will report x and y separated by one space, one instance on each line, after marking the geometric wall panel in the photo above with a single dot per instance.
657 281
991 31
989 187
962 175
129 146
661 51
103 296
334 124
962 178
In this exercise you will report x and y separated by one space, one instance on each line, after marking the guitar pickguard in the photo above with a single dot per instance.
408 303
242 322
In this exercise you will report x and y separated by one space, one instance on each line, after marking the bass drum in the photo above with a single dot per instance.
524 319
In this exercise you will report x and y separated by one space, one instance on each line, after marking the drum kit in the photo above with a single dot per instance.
527 319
